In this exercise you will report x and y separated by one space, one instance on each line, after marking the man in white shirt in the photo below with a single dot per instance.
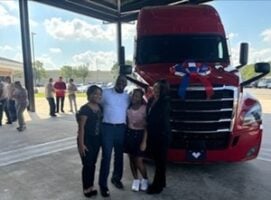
10 103
49 94
2 101
72 95
115 103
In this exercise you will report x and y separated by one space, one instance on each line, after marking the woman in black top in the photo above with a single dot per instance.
158 128
89 120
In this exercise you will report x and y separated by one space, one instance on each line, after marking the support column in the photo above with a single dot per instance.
120 48
27 61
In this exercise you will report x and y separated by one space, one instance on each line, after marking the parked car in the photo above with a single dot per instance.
262 83
268 84
251 85
83 88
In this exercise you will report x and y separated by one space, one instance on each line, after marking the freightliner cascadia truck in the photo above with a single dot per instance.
212 118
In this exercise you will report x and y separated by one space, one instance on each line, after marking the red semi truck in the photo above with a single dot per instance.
214 120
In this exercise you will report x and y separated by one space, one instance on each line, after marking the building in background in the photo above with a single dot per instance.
11 68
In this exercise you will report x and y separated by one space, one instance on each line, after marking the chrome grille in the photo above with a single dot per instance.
198 120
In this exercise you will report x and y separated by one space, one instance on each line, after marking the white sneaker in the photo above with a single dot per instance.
135 185
144 184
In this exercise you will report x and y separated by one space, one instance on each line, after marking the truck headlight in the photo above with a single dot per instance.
253 115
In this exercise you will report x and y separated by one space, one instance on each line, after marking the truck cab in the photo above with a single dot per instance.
225 126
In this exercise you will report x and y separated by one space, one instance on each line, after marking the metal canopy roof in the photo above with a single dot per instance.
112 10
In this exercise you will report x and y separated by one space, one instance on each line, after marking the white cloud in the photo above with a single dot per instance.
128 31
11 52
96 60
6 19
18 57
82 30
47 61
266 34
33 23
255 55
76 29
234 52
129 57
232 35
6 48
2 10
10 4
260 55
55 50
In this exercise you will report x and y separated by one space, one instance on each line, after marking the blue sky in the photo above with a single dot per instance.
65 38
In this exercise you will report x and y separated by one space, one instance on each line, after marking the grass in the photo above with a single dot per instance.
41 95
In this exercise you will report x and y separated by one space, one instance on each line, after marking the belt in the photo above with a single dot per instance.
109 124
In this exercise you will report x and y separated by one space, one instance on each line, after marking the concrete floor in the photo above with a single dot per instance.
57 177
42 163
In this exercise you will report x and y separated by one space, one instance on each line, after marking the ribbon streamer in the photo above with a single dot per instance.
193 70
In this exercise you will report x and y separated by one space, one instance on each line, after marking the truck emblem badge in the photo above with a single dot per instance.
191 70
196 154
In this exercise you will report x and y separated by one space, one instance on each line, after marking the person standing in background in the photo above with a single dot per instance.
10 105
60 88
21 102
71 95
49 94
2 101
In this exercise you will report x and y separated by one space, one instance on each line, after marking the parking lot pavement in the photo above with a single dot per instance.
57 177
44 134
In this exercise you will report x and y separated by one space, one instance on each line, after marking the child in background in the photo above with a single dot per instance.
135 139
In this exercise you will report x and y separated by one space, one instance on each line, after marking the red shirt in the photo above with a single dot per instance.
60 88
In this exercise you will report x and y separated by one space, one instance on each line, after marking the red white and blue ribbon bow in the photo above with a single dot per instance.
195 71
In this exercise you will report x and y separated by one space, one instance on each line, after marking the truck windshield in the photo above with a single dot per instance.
179 48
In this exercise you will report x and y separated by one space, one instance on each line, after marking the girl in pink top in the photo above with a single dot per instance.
135 139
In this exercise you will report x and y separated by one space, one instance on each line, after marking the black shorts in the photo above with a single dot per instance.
133 139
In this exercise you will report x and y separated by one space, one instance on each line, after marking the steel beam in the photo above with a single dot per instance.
27 61
120 50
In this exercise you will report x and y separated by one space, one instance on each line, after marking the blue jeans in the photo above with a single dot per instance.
52 105
112 137
11 110
2 109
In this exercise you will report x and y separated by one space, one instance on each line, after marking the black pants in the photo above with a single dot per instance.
62 103
10 110
52 105
158 147
89 161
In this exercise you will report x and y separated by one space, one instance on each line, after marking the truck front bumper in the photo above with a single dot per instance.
242 146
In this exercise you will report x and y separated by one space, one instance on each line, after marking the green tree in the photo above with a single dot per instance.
115 69
38 71
82 72
66 72
248 72
18 74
